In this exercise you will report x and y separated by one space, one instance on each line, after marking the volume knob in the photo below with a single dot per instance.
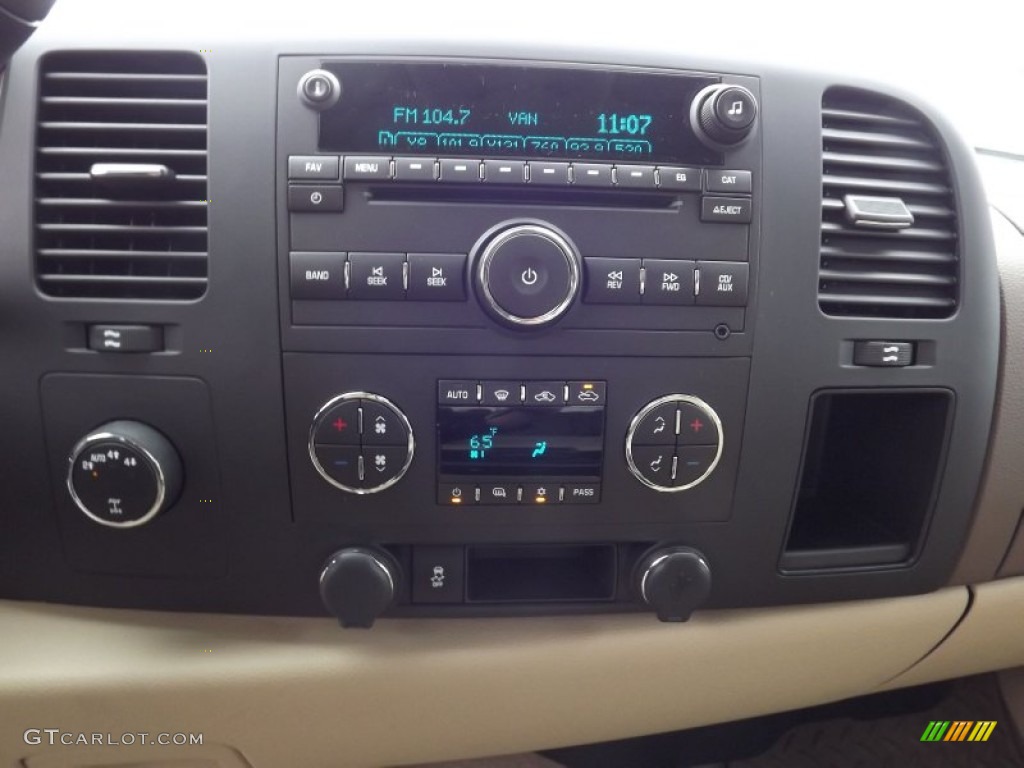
724 115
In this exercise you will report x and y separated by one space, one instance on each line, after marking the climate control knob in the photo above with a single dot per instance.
724 115
123 474
527 275
674 581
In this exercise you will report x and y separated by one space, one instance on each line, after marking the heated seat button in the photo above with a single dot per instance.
317 275
696 426
382 425
340 463
437 277
654 463
693 463
438 574
657 427
668 281
376 275
338 425
723 283
612 281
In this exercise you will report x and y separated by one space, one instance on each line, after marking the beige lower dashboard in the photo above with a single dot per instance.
283 692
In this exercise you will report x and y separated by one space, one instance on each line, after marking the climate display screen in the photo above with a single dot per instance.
521 441
513 111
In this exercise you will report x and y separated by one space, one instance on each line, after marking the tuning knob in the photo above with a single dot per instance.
674 581
357 584
123 474
723 115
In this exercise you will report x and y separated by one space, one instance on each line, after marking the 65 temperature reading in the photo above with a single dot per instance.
617 125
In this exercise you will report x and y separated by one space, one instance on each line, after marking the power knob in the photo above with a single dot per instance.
357 584
723 115
674 581
123 474
319 89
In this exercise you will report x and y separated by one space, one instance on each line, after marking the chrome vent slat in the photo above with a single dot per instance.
122 240
876 146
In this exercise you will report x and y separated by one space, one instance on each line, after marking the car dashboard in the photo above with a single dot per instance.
563 375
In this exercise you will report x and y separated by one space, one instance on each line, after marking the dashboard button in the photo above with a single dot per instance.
581 493
501 392
654 463
451 392
461 170
126 338
415 169
667 281
612 281
315 198
549 173
437 277
362 168
438 574
376 276
723 283
382 425
637 176
696 426
726 210
382 464
338 425
681 179
693 462
317 275
456 494
591 175
340 463
657 427
587 392
499 493
322 167
882 354
729 181
540 494
504 171
545 393
735 108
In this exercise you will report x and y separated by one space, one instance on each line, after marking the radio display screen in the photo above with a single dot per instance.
521 441
457 109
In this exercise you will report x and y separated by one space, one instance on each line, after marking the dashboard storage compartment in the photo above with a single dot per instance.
532 573
872 461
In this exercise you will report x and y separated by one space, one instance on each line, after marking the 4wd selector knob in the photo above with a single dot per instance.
527 275
123 474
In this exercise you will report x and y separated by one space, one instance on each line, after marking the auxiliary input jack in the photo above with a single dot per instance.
722 332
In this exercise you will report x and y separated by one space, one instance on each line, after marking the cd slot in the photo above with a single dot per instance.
497 195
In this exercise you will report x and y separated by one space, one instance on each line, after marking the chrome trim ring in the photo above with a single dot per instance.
529 230
347 396
642 414
161 481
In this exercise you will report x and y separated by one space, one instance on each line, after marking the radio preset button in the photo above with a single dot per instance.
658 427
382 426
461 170
341 463
581 493
545 392
313 167
638 176
376 276
696 426
723 283
499 493
501 392
452 392
612 281
587 393
339 425
680 179
362 168
667 281
592 174
415 169
729 181
437 277
693 462
726 210
542 172
504 171
317 275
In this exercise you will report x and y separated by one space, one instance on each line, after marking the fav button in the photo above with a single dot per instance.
376 275
322 167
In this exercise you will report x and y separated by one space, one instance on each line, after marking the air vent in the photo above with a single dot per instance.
121 176
888 214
